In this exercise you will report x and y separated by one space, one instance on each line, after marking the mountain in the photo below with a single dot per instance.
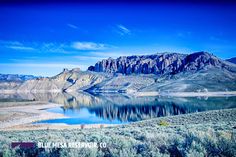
165 63
68 80
232 60
16 77
173 72
13 81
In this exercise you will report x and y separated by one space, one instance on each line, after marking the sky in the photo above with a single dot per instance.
42 39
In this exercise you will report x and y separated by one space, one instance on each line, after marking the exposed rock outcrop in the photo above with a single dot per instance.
165 63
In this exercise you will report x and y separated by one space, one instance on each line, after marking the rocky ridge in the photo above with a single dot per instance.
164 63
68 80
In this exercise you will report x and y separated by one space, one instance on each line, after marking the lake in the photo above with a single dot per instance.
85 108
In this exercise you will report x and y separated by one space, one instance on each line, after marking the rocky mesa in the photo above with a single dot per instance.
164 63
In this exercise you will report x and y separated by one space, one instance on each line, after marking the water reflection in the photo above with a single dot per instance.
119 108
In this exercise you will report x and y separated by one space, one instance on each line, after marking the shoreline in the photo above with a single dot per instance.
22 115
142 94
14 116
186 94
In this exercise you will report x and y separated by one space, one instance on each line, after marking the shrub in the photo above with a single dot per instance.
163 123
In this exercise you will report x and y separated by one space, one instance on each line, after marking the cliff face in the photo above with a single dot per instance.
157 64
167 72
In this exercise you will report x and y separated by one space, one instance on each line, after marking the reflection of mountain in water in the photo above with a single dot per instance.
136 113
68 100
160 107
125 108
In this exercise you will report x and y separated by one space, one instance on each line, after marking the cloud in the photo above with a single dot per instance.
122 30
72 26
16 45
21 48
88 46
55 47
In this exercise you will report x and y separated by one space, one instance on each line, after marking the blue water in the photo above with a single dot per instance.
84 108
81 116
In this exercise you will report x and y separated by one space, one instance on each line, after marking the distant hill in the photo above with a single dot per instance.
16 77
232 60
13 81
